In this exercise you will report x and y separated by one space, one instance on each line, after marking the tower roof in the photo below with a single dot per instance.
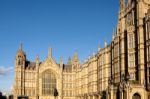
69 61
76 56
20 50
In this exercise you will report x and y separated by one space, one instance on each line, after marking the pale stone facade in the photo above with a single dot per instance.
120 70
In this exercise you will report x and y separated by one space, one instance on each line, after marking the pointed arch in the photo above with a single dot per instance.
136 96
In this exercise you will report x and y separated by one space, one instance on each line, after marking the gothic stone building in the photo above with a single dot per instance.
120 70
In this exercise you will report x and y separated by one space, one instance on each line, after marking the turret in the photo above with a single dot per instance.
99 47
50 52
61 62
69 61
37 60
113 36
20 57
105 43
75 61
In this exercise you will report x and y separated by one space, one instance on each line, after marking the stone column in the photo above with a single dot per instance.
88 97
93 97
99 97
82 97
122 94
111 93
128 93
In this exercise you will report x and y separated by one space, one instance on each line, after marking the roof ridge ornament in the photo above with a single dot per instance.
21 46
49 52
61 61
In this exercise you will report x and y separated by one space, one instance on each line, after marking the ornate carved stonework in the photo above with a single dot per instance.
116 71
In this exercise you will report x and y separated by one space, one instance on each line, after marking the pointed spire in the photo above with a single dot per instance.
116 31
61 61
113 34
93 54
69 61
105 43
99 47
37 58
20 50
49 52
21 46
89 56
76 56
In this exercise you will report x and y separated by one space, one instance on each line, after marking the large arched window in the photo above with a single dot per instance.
48 83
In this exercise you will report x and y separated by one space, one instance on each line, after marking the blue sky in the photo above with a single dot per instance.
65 25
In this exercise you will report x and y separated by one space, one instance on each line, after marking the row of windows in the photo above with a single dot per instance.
148 49
69 85
30 84
28 76
30 92
68 93
68 77
131 60
131 42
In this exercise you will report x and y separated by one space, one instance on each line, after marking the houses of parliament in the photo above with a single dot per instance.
119 70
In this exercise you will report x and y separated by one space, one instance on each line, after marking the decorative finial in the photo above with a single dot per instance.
49 52
37 58
21 46
76 55
99 47
113 36
89 57
105 43
93 54
69 61
61 61
116 31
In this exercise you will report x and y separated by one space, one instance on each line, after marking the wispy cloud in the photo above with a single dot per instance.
5 70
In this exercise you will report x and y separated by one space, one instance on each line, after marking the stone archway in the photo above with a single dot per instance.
136 96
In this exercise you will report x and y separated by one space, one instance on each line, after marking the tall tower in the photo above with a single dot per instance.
20 57
19 71
75 61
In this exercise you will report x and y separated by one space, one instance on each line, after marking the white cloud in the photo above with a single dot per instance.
5 70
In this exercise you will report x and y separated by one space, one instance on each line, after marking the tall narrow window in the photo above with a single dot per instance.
149 74
131 41
131 60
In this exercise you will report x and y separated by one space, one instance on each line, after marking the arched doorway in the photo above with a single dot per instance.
103 95
136 96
